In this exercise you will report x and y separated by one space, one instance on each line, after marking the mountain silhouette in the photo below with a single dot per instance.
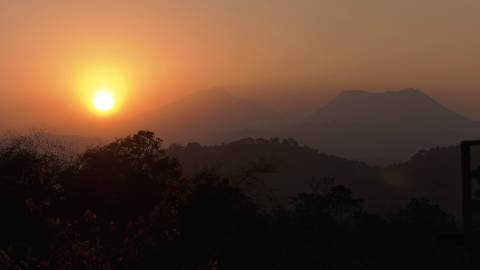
379 128
391 125
209 116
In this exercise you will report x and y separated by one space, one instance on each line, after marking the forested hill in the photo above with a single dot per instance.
433 173
284 168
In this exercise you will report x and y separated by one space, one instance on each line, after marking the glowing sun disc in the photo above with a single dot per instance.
104 101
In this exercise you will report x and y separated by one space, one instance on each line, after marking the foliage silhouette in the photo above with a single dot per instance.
111 179
127 205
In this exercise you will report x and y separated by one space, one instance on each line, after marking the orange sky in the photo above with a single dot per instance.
163 49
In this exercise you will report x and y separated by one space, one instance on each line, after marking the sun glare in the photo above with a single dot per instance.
103 89
104 101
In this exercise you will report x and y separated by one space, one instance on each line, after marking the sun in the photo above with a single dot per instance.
102 89
104 101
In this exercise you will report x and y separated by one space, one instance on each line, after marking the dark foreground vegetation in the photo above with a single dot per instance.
127 205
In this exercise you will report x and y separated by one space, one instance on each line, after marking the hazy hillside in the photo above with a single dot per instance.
211 116
379 128
290 168
390 125
287 167
435 174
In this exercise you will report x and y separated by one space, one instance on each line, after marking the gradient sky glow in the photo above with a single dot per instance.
163 48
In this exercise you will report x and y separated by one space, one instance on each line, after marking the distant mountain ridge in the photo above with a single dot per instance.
387 108
391 125
379 128
209 116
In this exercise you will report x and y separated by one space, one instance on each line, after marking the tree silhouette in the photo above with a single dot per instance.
219 224
126 178
126 205
29 184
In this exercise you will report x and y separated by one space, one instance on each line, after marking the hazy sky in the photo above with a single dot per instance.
159 49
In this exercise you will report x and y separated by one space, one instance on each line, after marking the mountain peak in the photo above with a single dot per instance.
402 92
409 97
399 108
386 124
216 115
410 90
